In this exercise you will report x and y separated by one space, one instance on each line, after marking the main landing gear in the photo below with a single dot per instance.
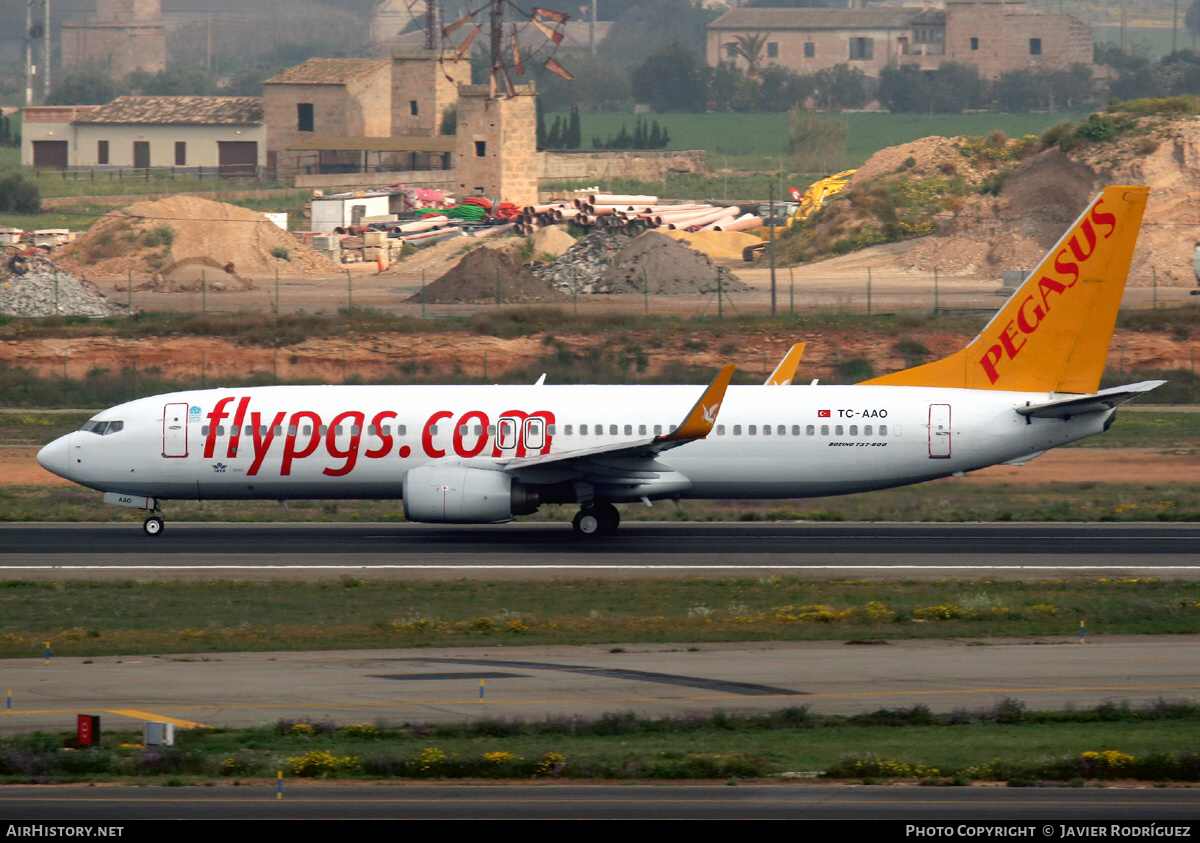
153 526
599 518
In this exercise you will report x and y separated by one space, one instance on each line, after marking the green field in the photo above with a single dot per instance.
759 141
101 618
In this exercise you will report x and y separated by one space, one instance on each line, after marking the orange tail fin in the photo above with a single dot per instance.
1053 334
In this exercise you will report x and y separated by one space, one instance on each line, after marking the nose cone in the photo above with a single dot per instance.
56 457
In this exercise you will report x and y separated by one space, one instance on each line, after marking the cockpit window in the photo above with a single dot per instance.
103 428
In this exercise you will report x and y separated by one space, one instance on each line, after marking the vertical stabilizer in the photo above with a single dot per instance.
1053 334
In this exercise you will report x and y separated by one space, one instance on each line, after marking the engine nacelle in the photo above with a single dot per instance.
459 494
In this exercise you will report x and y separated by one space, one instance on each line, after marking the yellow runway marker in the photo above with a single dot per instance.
147 715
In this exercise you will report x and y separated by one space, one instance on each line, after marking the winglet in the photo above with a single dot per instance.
701 418
786 370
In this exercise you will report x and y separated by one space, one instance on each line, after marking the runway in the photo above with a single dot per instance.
1118 812
638 549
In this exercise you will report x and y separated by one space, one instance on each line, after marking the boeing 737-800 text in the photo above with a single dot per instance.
484 454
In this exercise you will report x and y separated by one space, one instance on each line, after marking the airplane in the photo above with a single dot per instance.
487 454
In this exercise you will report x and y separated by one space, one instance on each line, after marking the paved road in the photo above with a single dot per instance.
443 684
1040 809
539 549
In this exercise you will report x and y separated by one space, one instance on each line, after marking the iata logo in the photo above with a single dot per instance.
1068 265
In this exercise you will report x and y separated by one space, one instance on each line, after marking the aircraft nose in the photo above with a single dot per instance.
56 457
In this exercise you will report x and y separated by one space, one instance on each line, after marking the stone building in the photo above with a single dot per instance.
496 152
224 134
331 114
326 98
994 35
125 35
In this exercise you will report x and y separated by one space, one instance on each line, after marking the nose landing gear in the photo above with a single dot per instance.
153 526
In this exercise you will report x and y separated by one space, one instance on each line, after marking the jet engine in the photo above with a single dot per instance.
460 494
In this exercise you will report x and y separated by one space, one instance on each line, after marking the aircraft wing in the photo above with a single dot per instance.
1081 405
626 457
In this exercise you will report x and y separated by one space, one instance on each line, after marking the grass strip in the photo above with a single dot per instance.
88 618
1003 742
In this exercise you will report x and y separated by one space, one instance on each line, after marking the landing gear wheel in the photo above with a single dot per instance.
610 518
153 525
599 519
586 523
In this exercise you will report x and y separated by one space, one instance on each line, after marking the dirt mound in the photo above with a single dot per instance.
990 234
487 275
607 262
551 241
146 237
722 245
1038 198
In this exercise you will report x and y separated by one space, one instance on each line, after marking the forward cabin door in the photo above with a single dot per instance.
939 431
175 431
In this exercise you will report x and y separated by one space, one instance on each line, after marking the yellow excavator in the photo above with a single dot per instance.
805 204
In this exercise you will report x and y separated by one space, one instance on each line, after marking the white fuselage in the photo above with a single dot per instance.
359 441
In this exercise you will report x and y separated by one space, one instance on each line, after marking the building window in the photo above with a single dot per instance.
810 49
731 51
304 117
862 49
101 152
412 107
974 43
772 49
480 149
180 154
1035 46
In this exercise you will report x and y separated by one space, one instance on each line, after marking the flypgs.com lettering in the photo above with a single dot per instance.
348 435
1034 308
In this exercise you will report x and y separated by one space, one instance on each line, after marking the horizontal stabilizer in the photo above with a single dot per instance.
1081 405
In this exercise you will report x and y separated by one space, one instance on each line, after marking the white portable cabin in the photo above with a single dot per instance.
343 211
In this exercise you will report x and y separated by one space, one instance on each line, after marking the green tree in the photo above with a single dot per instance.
1191 18
783 89
574 135
842 86
88 84
672 79
172 82
646 28
19 195
600 84
749 46
731 90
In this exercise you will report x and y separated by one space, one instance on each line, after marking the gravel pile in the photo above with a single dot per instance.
46 290
607 262
579 268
